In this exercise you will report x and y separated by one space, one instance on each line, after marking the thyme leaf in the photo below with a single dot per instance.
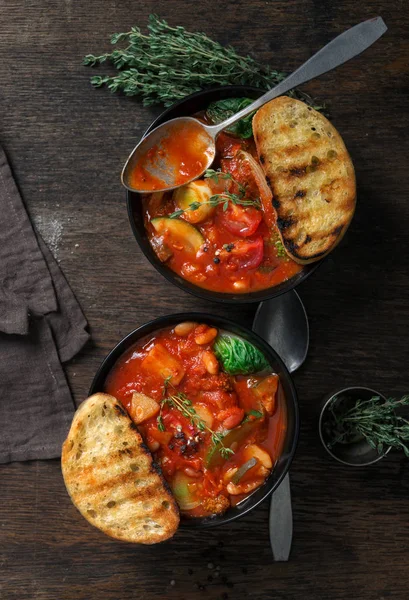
217 175
160 423
252 413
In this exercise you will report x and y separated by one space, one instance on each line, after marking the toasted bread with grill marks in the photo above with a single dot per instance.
111 478
310 174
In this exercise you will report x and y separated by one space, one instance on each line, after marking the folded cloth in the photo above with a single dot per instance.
41 325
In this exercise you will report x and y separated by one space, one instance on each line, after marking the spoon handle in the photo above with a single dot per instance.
281 521
344 47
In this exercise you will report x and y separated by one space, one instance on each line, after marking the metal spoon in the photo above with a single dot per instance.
283 323
151 150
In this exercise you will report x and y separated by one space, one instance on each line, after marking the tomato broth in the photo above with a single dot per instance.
220 232
186 149
216 436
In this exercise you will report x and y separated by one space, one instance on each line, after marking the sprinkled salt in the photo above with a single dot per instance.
51 230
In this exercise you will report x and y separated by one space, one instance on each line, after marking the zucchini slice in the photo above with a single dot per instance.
196 191
179 232
181 488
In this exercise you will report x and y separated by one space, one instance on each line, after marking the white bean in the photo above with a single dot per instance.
210 362
206 337
153 446
191 472
240 285
185 328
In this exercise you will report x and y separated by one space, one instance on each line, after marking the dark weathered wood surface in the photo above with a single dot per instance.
67 143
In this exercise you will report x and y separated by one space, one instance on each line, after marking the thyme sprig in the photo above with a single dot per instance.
170 63
181 402
372 419
223 198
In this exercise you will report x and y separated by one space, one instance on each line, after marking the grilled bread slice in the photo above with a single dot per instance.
310 174
111 478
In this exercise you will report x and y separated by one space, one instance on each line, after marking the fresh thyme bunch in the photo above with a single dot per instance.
372 419
170 63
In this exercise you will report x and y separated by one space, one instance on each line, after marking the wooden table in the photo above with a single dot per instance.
67 143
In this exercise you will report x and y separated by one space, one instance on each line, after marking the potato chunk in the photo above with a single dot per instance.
161 363
142 408
205 414
256 451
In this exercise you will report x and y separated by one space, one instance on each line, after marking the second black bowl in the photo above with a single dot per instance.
186 107
290 443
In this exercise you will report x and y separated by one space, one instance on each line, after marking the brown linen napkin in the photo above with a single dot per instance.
41 325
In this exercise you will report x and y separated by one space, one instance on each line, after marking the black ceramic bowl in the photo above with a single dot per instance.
290 442
357 453
188 106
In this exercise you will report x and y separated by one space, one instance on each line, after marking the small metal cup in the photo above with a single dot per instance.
356 453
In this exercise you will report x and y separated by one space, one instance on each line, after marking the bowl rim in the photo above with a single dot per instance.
172 276
167 320
327 400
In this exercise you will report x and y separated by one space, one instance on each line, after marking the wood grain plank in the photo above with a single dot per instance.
67 143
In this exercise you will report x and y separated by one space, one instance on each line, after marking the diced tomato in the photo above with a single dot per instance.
240 221
220 398
163 437
246 254
193 463
231 417
228 146
219 185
